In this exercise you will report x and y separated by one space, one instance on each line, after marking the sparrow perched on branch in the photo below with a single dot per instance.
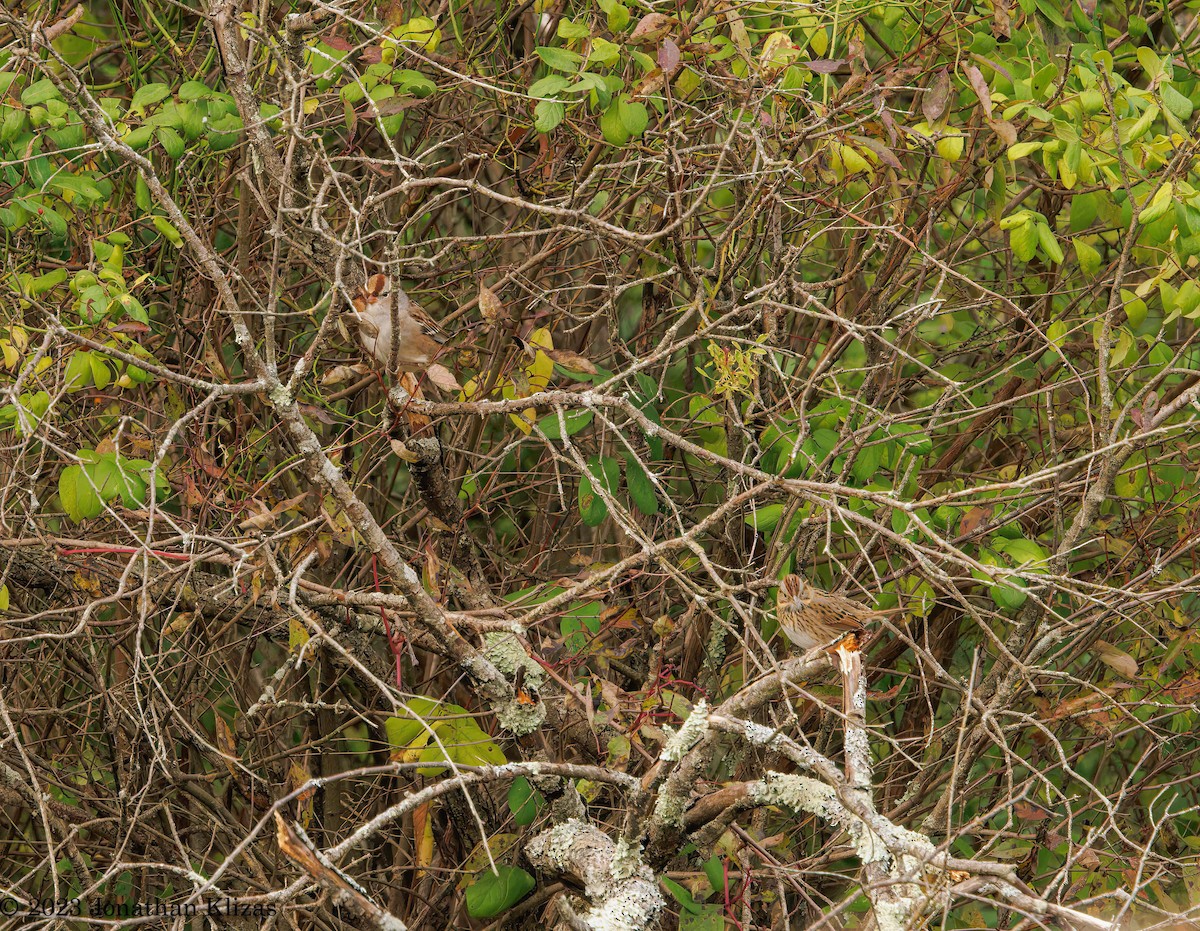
381 308
811 617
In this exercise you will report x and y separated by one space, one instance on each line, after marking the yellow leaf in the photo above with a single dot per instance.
423 829
4 598
542 366
298 636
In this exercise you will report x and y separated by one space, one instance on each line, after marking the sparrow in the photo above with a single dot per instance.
380 305
812 618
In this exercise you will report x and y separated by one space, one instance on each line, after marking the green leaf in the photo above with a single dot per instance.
1021 550
548 86
80 185
191 120
78 374
867 463
39 92
1187 300
764 518
681 895
171 142
607 471
56 226
1021 149
711 917
569 29
547 115
1006 596
611 125
1150 62
101 373
617 14
139 138
592 509
574 421
194 90
1175 102
4 598
1049 244
493 893
1087 256
641 489
147 95
714 869
523 801
1157 205
579 624
403 730
634 116
169 232
414 84
604 52
78 499
1023 239
560 59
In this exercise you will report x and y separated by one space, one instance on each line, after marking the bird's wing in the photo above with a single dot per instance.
428 325
850 613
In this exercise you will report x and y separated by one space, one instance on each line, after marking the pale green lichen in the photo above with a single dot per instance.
688 735
893 915
669 809
279 396
634 907
520 718
504 651
627 860
553 845
759 734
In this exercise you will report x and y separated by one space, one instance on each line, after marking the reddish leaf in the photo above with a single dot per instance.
668 56
825 65
1028 811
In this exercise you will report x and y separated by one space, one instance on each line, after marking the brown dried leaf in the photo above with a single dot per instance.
490 306
1005 130
651 28
936 98
260 521
572 361
343 373
1116 659
423 830
442 377
980 86
650 84
432 568
403 452
227 744
973 518
886 155
1029 811
297 777
1001 20
824 65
